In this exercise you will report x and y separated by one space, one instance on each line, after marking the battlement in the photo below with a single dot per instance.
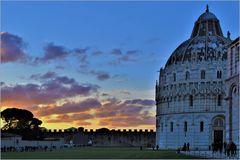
102 130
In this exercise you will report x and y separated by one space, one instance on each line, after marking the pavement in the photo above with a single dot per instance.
210 154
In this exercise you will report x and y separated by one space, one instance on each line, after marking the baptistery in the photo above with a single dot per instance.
191 89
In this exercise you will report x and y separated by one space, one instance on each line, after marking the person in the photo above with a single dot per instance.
153 148
140 147
224 147
232 149
228 149
220 147
157 147
184 147
178 150
213 147
188 145
235 149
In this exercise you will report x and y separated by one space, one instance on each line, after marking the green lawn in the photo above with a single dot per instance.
96 153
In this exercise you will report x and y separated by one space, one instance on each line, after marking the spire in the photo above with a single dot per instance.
200 27
228 35
207 10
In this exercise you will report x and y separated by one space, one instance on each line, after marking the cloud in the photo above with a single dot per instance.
81 106
120 78
47 75
53 52
80 119
104 94
47 92
100 75
96 53
81 54
128 56
125 92
113 107
116 51
144 102
60 67
12 48
128 121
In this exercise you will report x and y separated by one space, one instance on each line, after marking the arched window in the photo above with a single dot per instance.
219 74
203 74
201 126
171 126
185 126
218 122
174 77
234 90
187 75
190 100
219 100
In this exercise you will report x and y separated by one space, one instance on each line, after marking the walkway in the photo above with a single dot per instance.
210 154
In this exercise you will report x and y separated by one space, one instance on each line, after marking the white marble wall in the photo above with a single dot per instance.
173 104
193 136
232 84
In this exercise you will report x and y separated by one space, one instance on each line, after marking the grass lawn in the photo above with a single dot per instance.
96 153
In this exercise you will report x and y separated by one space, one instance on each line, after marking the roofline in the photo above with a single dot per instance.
234 41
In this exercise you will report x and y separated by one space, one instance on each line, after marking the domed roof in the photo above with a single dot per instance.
207 16
200 49
206 42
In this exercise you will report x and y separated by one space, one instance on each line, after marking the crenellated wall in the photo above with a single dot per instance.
104 137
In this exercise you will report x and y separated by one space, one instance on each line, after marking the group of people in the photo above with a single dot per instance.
26 148
230 149
186 147
153 147
157 147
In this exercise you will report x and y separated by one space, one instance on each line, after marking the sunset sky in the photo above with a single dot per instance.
94 64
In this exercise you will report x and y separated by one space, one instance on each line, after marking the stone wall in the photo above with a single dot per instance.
105 137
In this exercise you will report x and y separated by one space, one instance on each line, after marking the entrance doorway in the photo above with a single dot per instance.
218 130
218 137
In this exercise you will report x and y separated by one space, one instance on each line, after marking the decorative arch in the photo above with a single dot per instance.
233 88
218 116
218 128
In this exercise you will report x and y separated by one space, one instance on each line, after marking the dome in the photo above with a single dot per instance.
199 49
206 42
207 16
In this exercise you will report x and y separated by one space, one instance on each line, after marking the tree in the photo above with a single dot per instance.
16 118
22 122
35 123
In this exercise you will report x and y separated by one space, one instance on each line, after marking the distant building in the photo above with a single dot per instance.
232 84
191 89
14 140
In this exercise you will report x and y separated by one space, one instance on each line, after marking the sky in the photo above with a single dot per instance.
94 64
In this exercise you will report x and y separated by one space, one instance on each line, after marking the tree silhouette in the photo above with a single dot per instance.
22 122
